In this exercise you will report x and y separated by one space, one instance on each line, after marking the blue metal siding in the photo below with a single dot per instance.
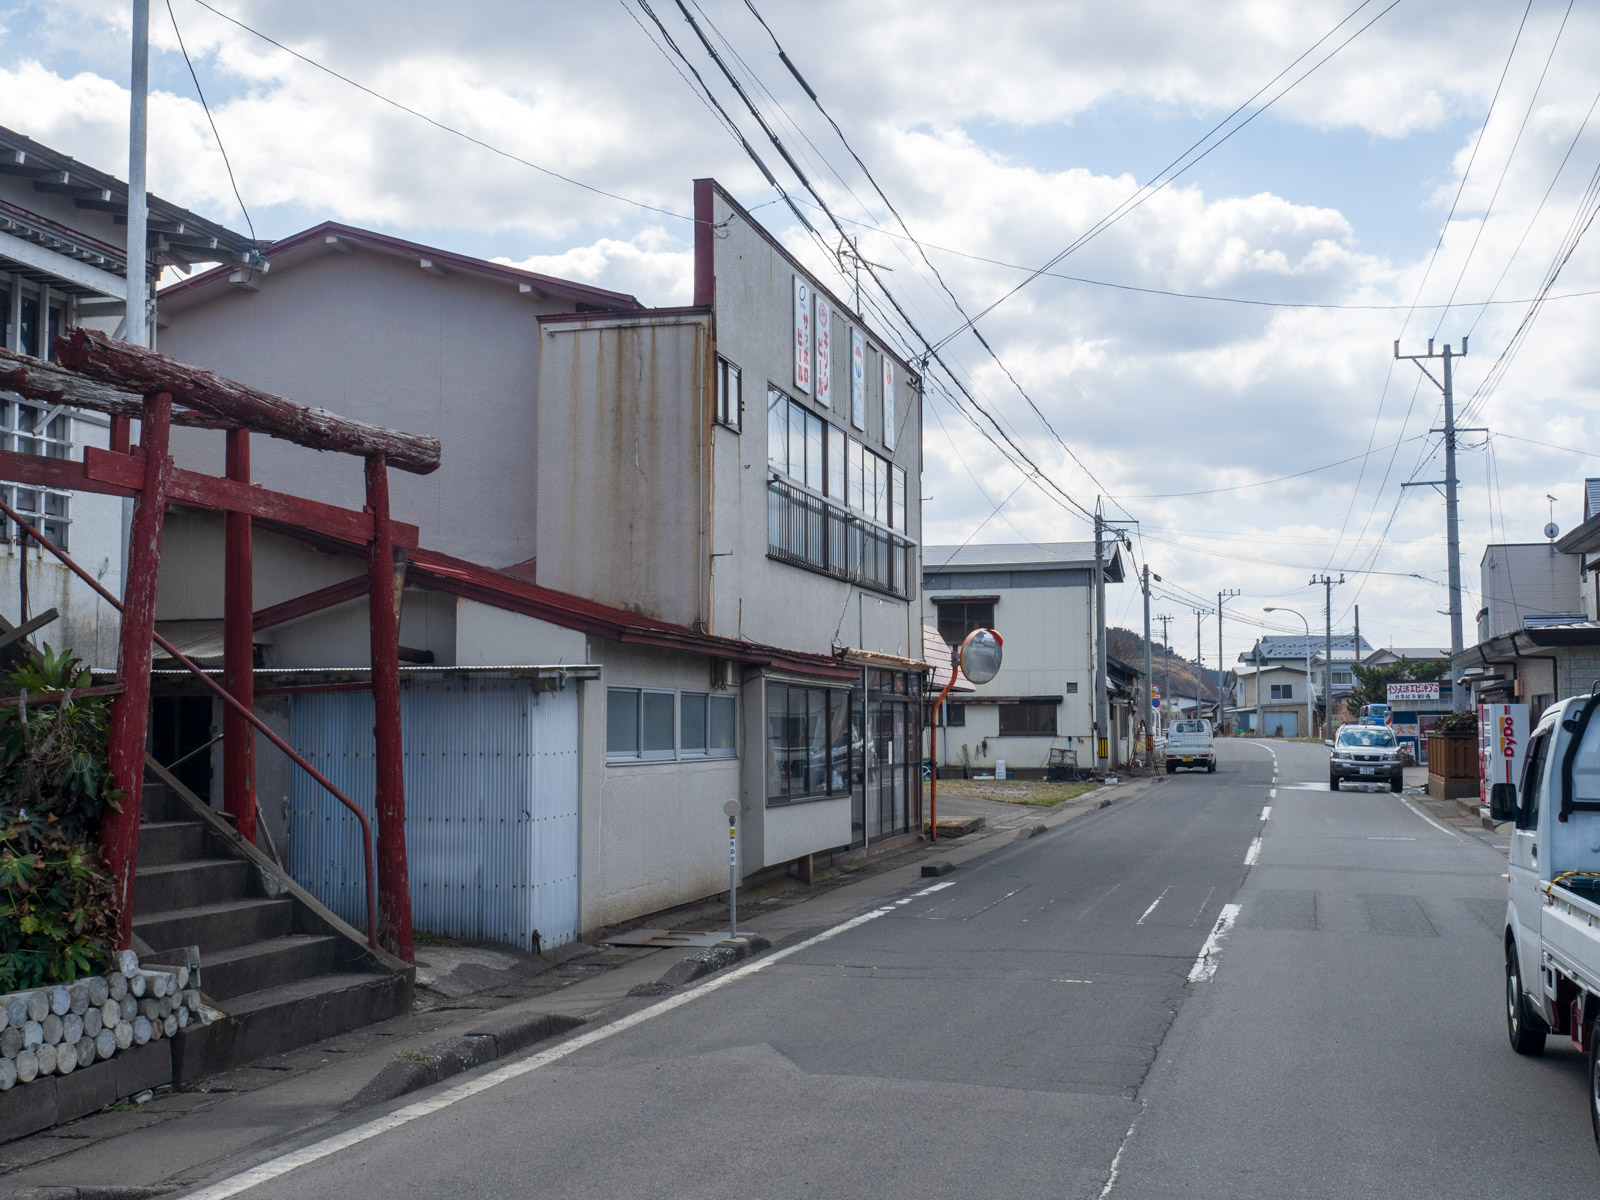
491 776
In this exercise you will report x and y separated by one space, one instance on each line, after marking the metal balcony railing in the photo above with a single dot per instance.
806 531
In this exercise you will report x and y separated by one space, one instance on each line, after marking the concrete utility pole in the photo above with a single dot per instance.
1149 707
1102 715
1222 667
136 330
1327 655
1257 656
1199 666
1451 518
1166 662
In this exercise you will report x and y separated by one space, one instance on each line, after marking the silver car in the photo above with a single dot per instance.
1366 754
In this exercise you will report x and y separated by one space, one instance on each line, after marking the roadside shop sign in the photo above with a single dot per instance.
1502 741
1422 690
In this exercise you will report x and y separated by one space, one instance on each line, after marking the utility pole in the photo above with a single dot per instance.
1199 666
1327 583
1259 731
1102 715
1166 662
1149 679
136 330
1451 518
1222 667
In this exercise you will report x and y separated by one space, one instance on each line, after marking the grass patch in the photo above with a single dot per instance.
1038 793
412 1056
433 939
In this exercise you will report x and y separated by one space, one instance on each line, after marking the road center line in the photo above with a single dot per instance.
1205 966
284 1163
1273 794
1266 812
1152 907
1253 853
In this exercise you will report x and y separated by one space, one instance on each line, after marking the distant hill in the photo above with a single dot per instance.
1175 675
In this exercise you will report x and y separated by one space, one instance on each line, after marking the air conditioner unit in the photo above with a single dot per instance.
724 673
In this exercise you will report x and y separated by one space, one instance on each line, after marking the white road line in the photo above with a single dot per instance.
1072 981
1273 794
1206 965
1428 819
1253 853
1152 907
1116 1163
1266 812
284 1163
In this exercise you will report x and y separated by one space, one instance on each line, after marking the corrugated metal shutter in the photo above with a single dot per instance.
491 773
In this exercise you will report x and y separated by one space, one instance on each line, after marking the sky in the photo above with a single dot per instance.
1421 155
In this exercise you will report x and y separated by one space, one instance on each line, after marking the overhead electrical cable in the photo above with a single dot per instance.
1158 183
212 121
440 125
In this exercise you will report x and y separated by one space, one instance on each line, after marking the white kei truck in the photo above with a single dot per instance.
1189 745
1552 939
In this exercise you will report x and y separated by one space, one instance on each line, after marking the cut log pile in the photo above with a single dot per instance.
56 1030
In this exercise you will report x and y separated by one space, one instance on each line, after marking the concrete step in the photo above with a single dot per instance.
262 965
285 1018
163 842
158 803
218 926
187 884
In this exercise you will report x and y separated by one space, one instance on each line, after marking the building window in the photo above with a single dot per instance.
1341 677
1284 691
641 725
958 618
1072 688
808 743
955 715
32 429
708 725
730 395
1029 718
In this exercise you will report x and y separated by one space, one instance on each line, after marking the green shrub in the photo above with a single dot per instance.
58 912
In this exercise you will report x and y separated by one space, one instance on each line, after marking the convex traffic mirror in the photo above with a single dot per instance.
980 655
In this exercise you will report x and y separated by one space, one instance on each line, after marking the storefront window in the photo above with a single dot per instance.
807 742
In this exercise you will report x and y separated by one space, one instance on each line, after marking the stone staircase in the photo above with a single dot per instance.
284 969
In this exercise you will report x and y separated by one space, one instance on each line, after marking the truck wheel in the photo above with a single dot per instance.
1525 1030
1594 1084
1397 785
1172 768
1211 767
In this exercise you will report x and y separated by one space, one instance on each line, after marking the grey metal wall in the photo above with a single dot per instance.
491 774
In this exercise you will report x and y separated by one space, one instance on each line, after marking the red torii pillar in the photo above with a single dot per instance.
119 831
385 586
238 651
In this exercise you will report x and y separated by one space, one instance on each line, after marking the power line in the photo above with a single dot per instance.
1150 189
199 91
1238 487
437 124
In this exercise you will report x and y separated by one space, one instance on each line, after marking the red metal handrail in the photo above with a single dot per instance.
227 698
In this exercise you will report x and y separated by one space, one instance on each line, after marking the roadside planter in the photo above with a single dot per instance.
1452 765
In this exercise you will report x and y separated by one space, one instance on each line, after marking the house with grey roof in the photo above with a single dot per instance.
1040 597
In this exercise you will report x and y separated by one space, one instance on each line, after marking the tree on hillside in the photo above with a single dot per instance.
1372 683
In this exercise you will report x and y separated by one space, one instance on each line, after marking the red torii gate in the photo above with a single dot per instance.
126 381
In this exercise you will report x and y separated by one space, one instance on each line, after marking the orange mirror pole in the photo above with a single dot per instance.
933 753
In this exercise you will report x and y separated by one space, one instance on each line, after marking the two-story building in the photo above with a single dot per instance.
1041 598
63 263
634 595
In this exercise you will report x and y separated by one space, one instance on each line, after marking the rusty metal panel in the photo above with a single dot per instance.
491 777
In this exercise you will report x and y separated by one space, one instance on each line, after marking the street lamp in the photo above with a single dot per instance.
1307 624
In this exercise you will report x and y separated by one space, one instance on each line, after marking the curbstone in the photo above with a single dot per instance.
1035 830
497 1037
933 870
704 962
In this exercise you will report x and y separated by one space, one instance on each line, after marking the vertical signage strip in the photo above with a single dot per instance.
858 379
802 335
824 352
888 402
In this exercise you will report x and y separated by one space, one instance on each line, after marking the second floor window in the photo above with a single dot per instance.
730 395
1283 691
958 618
28 428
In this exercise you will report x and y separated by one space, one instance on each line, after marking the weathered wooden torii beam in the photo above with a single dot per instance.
145 372
106 375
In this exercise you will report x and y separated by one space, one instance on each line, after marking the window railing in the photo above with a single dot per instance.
806 531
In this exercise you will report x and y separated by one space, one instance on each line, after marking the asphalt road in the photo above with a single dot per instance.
1031 1029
